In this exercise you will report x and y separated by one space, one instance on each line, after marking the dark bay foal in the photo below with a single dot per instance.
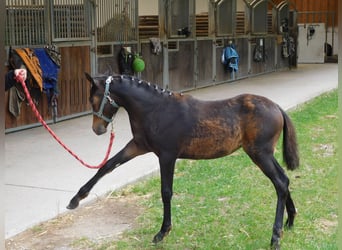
179 126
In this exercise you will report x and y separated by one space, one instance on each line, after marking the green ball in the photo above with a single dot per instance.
138 65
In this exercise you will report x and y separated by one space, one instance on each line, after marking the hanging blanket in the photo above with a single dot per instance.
49 68
230 58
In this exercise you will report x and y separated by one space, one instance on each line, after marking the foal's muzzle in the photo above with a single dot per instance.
99 125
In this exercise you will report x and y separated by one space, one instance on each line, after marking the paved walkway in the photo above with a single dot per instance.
41 177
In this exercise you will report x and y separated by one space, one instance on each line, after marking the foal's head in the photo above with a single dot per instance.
103 104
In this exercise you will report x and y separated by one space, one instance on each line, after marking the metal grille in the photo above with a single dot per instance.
25 22
71 19
116 20
28 21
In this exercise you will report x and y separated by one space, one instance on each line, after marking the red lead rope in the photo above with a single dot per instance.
41 120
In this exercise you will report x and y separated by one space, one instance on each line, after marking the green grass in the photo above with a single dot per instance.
228 203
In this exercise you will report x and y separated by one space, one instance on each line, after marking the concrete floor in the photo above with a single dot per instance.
41 177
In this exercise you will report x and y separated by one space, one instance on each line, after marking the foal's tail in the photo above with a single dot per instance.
290 148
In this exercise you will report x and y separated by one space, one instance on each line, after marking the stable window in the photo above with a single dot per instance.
283 19
116 21
263 17
180 18
70 19
259 17
225 17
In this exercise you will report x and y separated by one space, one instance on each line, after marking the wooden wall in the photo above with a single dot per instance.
321 7
73 88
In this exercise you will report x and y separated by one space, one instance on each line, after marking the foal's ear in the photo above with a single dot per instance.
90 79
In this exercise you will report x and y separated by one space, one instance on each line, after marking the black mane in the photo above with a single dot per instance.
137 83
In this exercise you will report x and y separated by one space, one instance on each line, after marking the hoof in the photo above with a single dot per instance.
160 236
288 224
73 203
275 244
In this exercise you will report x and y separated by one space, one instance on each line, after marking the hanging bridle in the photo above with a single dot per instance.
106 98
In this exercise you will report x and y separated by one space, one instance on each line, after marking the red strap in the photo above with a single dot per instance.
41 120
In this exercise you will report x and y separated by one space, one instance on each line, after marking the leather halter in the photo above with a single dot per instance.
106 98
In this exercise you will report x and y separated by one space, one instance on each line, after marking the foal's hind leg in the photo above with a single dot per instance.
290 207
271 168
291 212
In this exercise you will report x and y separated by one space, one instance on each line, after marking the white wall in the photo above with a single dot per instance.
202 6
240 6
148 7
311 50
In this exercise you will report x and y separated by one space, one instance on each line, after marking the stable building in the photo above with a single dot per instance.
180 43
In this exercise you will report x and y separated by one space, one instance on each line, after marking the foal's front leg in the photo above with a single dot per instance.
127 153
167 166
